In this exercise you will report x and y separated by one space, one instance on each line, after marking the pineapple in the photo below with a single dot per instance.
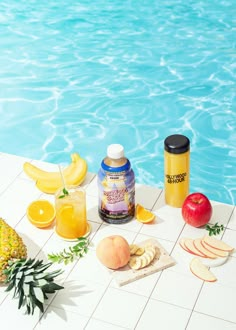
27 277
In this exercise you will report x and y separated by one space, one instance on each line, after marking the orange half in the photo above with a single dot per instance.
41 213
143 215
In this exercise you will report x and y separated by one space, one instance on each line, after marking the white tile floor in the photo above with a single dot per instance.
92 300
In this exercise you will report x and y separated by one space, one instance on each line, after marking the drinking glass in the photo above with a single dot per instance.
71 218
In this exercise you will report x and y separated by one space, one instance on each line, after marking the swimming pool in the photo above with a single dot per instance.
77 76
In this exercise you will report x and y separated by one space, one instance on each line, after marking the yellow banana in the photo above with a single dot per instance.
50 182
37 173
141 261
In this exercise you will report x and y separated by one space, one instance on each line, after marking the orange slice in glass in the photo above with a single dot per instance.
41 213
143 215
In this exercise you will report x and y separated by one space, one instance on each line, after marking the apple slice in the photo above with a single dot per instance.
188 242
198 245
201 271
217 244
219 253
182 244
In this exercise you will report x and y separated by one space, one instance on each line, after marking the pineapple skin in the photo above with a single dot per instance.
12 247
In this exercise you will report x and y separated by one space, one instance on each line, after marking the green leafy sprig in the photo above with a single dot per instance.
67 256
65 193
214 229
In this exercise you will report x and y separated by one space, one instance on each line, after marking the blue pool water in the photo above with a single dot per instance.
79 75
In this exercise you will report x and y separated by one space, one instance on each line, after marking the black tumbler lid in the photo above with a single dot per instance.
177 144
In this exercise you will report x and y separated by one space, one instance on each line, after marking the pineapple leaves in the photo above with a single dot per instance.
38 294
31 283
67 256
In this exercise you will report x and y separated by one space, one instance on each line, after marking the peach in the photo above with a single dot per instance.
113 251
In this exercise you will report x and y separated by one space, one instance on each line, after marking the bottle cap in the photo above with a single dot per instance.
115 151
177 144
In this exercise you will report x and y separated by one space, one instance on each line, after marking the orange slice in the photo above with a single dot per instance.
143 215
41 213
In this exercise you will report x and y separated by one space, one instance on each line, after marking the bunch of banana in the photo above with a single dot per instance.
50 182
142 256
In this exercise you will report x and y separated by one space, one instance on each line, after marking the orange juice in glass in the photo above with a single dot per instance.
71 219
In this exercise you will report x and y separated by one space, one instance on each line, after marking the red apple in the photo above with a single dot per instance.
196 210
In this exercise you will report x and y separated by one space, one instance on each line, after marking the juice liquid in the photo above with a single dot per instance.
71 218
176 169
176 178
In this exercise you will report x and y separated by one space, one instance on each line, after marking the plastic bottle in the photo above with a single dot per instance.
116 187
176 169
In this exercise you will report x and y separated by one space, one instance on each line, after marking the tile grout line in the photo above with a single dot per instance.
214 317
192 310
108 286
226 226
64 280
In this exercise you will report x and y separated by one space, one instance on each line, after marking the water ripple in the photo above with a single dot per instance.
79 76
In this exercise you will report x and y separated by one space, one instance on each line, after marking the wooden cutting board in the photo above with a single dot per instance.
127 275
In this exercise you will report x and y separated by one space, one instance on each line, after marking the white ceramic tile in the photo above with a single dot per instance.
92 188
120 308
92 208
202 321
168 224
177 289
146 195
229 237
49 197
61 320
15 200
160 315
132 225
86 290
79 296
160 201
217 300
10 166
56 244
2 289
193 232
88 179
221 212
232 221
225 273
99 325
2 294
90 269
94 227
107 230
53 246
14 318
33 237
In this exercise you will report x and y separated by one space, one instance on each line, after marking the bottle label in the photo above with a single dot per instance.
176 178
116 195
